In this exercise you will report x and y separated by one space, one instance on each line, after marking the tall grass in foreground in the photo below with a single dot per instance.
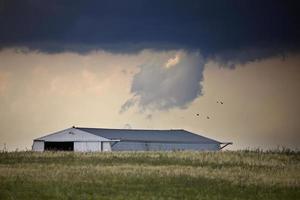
150 175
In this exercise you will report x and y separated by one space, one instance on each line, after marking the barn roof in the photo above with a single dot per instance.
71 134
173 135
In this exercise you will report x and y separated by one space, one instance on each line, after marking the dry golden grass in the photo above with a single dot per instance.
153 175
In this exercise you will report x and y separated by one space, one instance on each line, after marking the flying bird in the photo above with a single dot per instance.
197 114
221 102
207 117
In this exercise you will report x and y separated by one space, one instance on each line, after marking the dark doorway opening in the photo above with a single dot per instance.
59 146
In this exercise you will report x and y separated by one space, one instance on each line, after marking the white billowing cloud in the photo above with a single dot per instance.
173 61
159 87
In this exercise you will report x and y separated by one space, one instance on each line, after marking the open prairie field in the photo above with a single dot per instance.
150 175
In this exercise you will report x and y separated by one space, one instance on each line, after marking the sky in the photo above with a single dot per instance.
228 70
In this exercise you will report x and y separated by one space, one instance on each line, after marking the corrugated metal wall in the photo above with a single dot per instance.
38 146
87 146
144 146
132 146
78 146
106 146
91 146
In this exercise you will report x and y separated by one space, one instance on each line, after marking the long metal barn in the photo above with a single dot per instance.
99 139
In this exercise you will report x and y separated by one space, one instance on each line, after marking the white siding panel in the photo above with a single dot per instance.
38 146
79 146
106 146
92 146
87 146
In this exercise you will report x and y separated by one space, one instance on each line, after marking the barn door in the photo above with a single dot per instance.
59 146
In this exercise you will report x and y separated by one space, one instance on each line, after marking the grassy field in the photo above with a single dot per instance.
150 175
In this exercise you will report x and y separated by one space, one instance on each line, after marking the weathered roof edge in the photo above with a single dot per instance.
129 129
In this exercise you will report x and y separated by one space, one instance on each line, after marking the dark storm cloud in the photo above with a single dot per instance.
128 26
231 58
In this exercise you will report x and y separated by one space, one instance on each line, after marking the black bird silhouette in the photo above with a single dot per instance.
207 117
197 114
221 102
